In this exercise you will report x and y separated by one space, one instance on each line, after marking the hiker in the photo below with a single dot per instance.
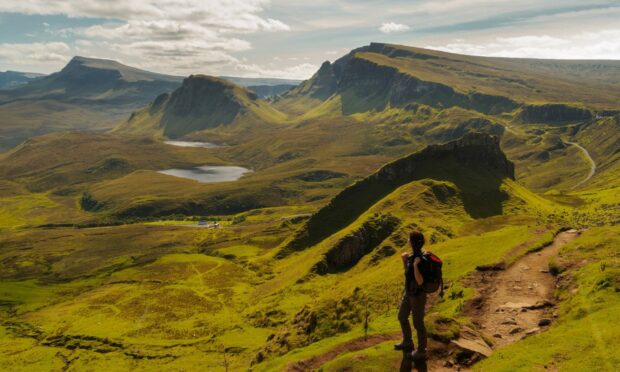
414 299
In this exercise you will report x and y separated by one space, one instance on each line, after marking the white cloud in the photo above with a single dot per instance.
176 35
301 71
390 27
604 44
39 52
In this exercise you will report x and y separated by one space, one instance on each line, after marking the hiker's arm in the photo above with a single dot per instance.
416 272
404 257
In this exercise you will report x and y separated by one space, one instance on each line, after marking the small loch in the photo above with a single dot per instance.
206 145
208 173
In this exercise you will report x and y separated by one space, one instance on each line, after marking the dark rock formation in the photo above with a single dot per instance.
321 85
350 249
381 253
205 102
475 155
553 113
365 85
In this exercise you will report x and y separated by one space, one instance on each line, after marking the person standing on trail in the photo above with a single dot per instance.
414 299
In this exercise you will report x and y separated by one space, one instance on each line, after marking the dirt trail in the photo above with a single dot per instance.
518 301
512 304
592 163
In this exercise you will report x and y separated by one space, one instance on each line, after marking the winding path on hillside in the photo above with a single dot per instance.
592 163
511 304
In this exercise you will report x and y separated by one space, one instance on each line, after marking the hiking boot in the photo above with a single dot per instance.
404 346
418 354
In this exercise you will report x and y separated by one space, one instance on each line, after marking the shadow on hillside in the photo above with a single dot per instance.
484 203
477 187
407 364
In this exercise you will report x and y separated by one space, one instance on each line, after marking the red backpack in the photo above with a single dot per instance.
430 268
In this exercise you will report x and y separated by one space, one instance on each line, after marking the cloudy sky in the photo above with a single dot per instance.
290 38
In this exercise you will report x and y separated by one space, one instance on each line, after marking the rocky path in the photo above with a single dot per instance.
511 304
518 301
592 163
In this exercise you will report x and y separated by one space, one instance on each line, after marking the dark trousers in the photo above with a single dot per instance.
413 304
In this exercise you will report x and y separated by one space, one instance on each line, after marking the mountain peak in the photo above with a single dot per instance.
81 66
201 102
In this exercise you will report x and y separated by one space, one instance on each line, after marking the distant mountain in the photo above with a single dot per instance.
247 82
378 75
12 79
264 87
201 102
90 80
87 94
266 91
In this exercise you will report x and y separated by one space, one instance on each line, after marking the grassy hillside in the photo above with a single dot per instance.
135 296
104 265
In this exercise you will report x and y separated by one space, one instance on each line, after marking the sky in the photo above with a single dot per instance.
291 38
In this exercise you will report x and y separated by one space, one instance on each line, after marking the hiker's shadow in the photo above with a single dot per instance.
408 364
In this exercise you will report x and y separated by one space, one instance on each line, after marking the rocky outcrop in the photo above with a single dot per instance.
365 86
553 113
350 249
475 153
204 102
322 84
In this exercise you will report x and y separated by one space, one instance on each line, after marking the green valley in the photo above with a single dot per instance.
108 264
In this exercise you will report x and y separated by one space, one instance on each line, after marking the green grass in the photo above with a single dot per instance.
179 296
377 358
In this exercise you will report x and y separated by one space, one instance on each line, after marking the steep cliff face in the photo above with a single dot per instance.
553 113
200 95
201 102
321 85
475 154
364 85
350 249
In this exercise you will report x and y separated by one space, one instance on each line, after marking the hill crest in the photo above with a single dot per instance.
201 102
474 162
379 75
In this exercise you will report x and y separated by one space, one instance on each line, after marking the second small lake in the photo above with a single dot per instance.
208 173
206 145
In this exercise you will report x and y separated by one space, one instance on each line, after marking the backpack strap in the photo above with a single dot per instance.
441 287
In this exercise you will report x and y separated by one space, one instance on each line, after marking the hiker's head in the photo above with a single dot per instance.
416 239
